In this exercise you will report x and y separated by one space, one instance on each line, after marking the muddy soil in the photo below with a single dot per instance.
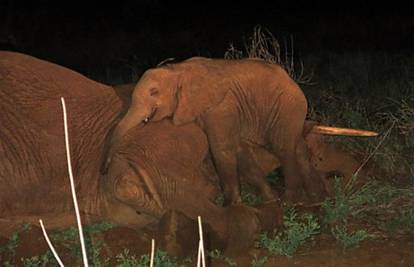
322 251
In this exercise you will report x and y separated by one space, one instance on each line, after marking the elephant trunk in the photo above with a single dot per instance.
119 131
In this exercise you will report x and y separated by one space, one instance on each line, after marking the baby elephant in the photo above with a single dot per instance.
231 100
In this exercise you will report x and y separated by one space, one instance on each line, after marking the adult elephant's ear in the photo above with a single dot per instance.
197 92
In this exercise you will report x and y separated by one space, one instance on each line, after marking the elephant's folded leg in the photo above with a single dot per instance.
177 234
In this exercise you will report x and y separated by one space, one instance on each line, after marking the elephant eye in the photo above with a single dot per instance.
154 91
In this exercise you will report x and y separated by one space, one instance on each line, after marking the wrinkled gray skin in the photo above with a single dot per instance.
34 182
232 101
142 184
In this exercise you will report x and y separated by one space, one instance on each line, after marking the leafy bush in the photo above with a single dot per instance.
38 261
339 208
347 239
297 230
249 196
405 222
217 255
259 262
69 238
161 259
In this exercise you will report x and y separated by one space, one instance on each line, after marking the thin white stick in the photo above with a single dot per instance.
50 244
72 186
152 252
200 257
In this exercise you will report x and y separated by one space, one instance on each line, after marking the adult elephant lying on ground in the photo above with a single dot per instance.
232 101
33 174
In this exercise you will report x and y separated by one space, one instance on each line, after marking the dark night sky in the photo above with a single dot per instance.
93 38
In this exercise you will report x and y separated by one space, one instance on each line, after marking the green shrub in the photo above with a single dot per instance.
258 262
69 238
217 255
297 230
161 259
347 239
405 222
249 196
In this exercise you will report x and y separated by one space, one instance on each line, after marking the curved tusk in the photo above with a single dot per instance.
151 186
328 130
165 61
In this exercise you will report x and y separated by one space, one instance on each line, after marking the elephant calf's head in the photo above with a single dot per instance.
153 99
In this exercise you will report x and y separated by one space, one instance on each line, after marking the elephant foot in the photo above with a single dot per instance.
316 191
295 197
233 199
270 215
243 228
268 194
177 234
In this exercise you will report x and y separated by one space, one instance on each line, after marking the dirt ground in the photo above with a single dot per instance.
322 251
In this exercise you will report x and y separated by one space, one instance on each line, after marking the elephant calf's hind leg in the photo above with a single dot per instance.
313 182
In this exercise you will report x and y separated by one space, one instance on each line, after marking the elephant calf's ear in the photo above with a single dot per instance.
184 112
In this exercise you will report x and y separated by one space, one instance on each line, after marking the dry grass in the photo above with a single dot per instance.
264 45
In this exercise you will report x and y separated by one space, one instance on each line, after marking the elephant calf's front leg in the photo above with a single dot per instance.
223 133
225 160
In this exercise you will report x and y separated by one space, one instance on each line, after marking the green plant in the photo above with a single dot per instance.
353 201
404 222
69 238
337 209
125 260
349 239
219 201
373 199
258 262
94 255
161 259
249 196
9 249
274 177
47 259
298 228
217 255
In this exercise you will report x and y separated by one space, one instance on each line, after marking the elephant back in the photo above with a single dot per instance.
35 86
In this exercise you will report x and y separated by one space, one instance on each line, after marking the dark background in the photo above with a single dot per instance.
115 42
